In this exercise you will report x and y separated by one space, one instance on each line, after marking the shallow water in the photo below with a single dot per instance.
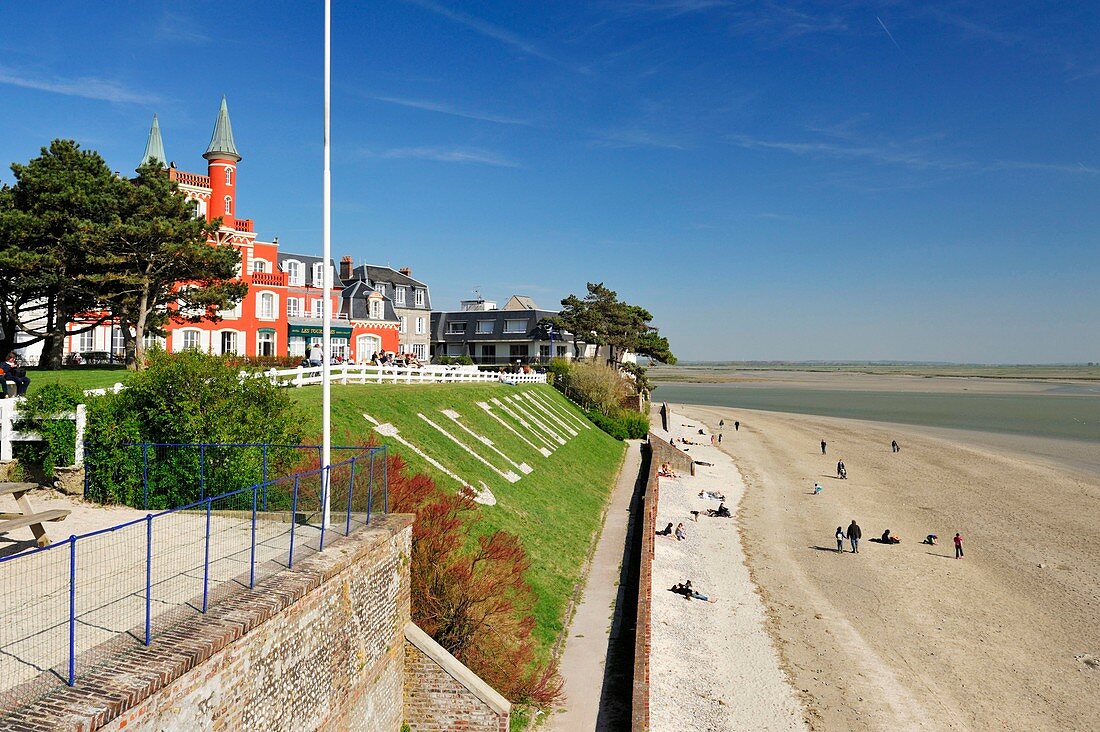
1072 414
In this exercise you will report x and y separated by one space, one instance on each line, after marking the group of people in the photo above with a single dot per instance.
665 471
854 533
679 533
12 373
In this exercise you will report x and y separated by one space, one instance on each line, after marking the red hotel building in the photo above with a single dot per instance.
281 314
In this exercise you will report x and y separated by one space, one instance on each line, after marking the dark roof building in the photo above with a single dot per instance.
490 336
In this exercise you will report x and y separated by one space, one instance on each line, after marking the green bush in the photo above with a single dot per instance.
38 414
621 424
184 399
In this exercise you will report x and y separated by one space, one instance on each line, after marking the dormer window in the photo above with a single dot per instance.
376 309
229 205
399 295
318 274
419 298
229 176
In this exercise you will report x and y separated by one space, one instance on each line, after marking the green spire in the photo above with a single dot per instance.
221 142
154 147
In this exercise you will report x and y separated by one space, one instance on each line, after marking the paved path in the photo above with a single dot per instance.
599 653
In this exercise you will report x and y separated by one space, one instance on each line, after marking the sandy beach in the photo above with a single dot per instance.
713 665
906 636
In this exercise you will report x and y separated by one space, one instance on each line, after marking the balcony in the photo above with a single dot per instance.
269 279
189 179
247 226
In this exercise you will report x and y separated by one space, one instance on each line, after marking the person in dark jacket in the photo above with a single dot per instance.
11 372
854 535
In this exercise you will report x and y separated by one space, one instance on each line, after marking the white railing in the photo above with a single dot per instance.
367 374
9 415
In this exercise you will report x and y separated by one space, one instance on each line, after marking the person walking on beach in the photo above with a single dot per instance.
736 426
894 446
840 539
958 546
719 438
841 471
854 535
823 447
721 423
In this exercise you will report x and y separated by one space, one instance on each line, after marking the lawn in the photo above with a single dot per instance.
80 377
555 510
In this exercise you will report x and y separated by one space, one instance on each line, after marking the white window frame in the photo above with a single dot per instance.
419 297
260 265
294 306
296 346
317 308
274 341
452 330
399 294
404 324
420 326
318 274
229 205
85 341
261 311
228 176
482 331
509 329
381 287
295 272
189 333
377 309
236 350
420 351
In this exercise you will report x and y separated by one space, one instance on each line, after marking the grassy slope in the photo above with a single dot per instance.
555 510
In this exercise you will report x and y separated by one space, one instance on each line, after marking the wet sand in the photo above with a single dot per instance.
906 636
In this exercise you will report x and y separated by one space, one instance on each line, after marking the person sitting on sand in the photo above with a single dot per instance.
679 589
721 511
817 488
931 539
680 533
888 539
665 531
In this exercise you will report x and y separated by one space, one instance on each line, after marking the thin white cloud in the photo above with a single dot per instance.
449 155
441 108
634 137
898 155
179 28
107 90
486 29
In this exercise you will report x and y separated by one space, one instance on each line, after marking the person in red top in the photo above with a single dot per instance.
958 546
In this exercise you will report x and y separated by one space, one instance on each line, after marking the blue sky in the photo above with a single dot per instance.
835 180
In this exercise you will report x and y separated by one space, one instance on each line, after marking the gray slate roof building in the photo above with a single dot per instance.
499 336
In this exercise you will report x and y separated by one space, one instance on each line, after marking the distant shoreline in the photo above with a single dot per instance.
722 373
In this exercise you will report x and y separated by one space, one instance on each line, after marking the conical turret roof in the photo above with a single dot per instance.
221 142
154 147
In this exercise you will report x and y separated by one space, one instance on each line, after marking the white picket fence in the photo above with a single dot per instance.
9 415
366 374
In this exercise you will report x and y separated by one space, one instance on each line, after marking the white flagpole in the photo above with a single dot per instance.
326 351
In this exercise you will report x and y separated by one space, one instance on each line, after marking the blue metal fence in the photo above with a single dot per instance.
71 605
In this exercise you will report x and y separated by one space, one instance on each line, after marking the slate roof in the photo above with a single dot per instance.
307 260
441 320
355 304
373 273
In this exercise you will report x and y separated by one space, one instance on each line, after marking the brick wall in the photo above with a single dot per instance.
317 647
442 694
659 452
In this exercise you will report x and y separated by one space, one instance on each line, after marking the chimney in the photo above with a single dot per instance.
406 271
345 267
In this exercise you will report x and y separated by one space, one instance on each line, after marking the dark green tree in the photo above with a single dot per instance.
53 225
165 266
601 318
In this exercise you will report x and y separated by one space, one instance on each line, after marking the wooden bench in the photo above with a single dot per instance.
26 515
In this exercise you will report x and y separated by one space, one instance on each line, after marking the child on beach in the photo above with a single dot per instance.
817 488
680 533
840 539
